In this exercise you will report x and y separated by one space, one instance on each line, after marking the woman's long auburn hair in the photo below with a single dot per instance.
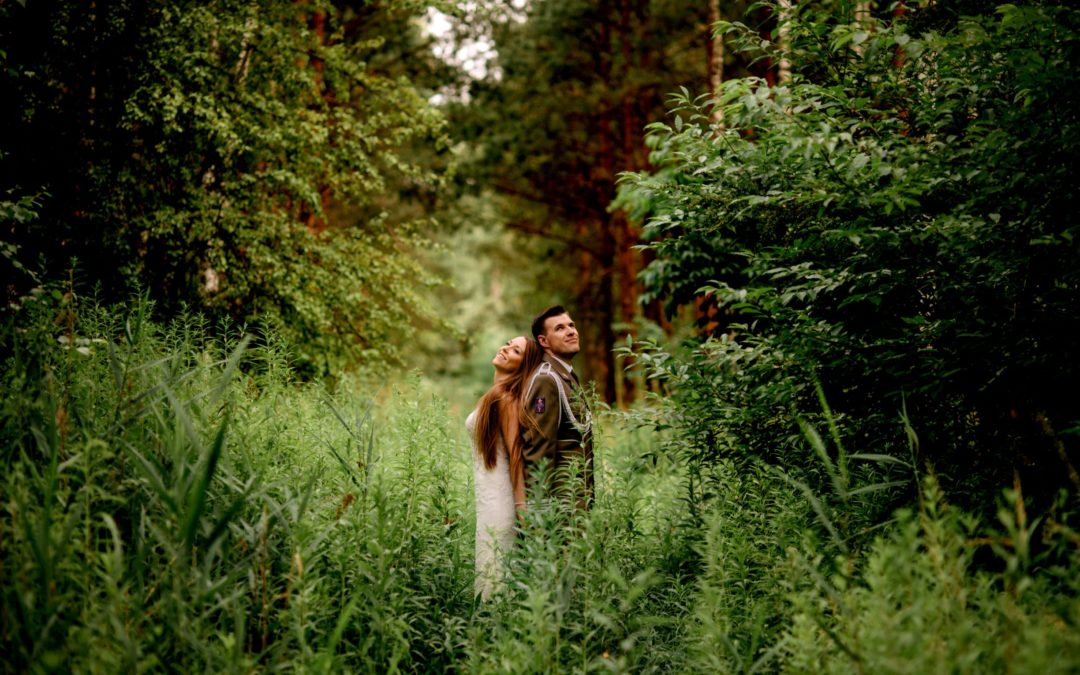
489 419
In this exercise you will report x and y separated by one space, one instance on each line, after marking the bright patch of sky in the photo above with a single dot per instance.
472 50
472 54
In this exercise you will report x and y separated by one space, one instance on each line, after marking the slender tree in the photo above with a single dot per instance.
715 57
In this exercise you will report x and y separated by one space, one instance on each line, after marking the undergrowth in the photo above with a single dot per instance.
172 500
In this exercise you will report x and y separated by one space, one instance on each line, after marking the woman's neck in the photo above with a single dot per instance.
501 377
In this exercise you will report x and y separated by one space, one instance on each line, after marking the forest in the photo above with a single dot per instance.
257 257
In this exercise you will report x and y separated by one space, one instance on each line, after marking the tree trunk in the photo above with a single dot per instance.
863 19
783 66
309 215
625 233
714 52
595 292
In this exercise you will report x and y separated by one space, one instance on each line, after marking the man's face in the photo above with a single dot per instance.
560 336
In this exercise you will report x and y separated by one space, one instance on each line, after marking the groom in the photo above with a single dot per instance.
563 433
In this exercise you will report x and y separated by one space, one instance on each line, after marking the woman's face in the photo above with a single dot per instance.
509 355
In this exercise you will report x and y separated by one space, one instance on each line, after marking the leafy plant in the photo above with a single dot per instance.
892 222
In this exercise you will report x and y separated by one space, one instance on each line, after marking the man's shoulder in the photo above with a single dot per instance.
557 367
543 379
543 393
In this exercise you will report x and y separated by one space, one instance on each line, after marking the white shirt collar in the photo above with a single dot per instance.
564 364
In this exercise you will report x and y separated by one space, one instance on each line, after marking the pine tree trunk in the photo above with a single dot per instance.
308 214
595 294
626 235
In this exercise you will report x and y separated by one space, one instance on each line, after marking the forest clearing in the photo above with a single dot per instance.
262 260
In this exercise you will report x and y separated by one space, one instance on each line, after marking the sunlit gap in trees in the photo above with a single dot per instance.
464 41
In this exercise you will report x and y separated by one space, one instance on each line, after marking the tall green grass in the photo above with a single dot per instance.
172 500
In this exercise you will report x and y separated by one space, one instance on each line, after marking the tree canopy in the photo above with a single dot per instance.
232 156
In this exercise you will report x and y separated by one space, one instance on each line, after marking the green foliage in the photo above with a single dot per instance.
895 222
882 244
920 604
17 209
172 500
234 157
740 606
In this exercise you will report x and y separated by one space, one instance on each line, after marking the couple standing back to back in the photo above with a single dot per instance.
533 419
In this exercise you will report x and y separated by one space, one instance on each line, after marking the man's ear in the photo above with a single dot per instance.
542 339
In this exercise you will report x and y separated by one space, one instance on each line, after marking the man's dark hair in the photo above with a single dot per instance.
538 322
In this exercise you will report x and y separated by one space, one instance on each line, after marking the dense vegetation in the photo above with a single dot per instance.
896 226
860 458
175 502
198 149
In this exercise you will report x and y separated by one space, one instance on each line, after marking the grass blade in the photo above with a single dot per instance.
230 368
834 430
153 475
877 487
223 522
198 497
879 458
818 507
838 480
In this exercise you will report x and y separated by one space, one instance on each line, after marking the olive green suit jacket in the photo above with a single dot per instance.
566 447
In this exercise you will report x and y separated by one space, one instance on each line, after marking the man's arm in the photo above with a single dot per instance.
543 404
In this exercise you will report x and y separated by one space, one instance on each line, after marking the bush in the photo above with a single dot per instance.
894 222
917 603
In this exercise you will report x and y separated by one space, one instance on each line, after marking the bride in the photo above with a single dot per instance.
498 469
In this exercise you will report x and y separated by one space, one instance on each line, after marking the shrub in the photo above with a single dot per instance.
893 222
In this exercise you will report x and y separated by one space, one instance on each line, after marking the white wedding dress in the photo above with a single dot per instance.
494 515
